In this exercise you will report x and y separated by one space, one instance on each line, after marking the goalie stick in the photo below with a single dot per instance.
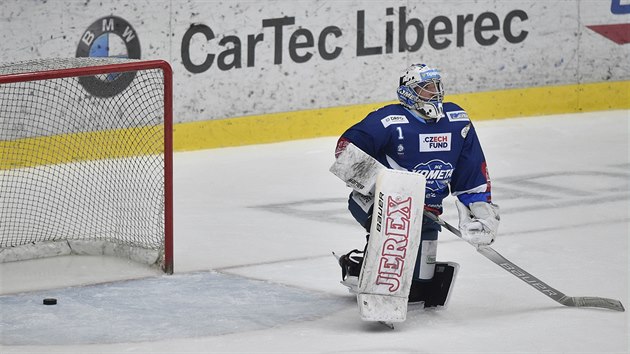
559 297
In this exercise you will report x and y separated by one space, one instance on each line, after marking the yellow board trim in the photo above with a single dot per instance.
285 126
57 149
305 124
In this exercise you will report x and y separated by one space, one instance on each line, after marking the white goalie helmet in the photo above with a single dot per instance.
420 88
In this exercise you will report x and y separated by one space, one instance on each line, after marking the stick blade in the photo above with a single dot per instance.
600 302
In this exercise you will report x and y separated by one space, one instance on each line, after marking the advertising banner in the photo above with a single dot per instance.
242 58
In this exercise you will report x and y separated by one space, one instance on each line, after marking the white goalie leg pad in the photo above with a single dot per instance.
392 249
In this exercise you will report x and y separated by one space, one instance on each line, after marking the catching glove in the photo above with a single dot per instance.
478 222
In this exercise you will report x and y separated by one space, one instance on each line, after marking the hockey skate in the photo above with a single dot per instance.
437 291
433 293
350 263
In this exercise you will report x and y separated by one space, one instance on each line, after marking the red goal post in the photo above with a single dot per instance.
86 162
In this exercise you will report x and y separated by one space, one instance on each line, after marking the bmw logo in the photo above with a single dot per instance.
114 37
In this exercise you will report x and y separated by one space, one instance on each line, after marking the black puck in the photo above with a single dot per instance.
50 301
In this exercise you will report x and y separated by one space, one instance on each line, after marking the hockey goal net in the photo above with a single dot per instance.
86 159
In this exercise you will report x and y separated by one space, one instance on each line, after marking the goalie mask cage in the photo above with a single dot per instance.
86 159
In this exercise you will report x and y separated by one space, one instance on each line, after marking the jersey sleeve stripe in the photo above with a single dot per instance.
479 189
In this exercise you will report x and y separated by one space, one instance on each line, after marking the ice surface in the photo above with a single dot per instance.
197 304
264 219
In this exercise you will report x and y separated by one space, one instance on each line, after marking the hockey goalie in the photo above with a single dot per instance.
402 160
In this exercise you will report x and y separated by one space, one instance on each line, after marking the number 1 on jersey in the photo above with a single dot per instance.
400 134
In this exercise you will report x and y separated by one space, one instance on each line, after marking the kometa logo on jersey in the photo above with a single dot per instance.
437 172
435 142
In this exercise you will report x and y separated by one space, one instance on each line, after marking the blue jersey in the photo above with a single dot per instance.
447 152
